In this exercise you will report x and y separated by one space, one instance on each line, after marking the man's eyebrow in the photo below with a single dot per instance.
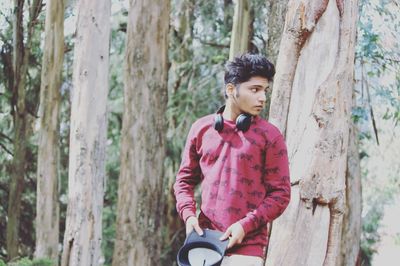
259 86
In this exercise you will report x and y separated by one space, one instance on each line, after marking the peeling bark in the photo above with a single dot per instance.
311 104
88 135
299 23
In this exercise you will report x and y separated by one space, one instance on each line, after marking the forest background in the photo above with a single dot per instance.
199 41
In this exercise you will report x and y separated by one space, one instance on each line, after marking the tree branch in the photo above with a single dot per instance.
363 79
295 183
5 17
6 137
372 114
6 149
212 44
35 10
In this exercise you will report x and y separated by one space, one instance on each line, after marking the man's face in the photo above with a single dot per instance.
250 96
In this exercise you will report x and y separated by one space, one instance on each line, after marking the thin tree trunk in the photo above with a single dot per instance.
351 233
21 53
275 20
311 104
251 47
88 135
275 23
18 163
140 193
240 29
47 206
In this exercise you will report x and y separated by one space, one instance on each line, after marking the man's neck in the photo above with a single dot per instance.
231 112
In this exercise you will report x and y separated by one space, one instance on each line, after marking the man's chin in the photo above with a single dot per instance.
255 113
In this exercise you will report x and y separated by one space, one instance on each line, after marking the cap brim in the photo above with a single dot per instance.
203 249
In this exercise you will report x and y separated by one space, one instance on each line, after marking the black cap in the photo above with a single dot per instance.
202 250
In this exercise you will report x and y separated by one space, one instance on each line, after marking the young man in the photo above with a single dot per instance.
241 162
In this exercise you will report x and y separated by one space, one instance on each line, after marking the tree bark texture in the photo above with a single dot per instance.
21 53
351 233
88 135
311 104
47 205
240 29
18 163
140 193
275 23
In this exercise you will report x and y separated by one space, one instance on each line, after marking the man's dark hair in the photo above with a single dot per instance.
242 68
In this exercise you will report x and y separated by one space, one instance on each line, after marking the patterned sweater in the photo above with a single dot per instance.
244 177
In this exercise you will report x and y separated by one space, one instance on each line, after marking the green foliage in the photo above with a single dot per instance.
397 239
378 79
359 114
195 80
374 60
7 115
259 40
373 213
6 122
29 262
378 55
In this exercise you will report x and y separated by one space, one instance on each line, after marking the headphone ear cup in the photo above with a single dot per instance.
218 122
243 122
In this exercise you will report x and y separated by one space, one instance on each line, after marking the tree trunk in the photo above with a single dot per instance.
88 135
240 29
312 106
351 233
140 193
275 23
19 111
21 53
47 206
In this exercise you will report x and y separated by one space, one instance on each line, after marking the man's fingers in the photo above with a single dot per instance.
236 234
226 234
189 229
232 242
193 224
198 229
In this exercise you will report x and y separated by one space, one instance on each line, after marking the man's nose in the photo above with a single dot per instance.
262 97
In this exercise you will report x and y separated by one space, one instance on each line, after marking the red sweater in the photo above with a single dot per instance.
244 177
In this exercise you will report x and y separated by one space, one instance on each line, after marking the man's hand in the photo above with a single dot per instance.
236 234
193 223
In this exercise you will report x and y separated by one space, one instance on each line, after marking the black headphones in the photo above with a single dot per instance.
243 121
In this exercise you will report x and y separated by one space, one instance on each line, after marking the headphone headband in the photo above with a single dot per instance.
221 109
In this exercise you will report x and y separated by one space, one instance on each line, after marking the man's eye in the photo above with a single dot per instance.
254 90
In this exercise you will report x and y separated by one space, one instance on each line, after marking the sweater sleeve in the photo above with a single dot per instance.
277 183
187 178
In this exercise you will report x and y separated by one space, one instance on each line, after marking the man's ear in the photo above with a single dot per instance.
229 89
